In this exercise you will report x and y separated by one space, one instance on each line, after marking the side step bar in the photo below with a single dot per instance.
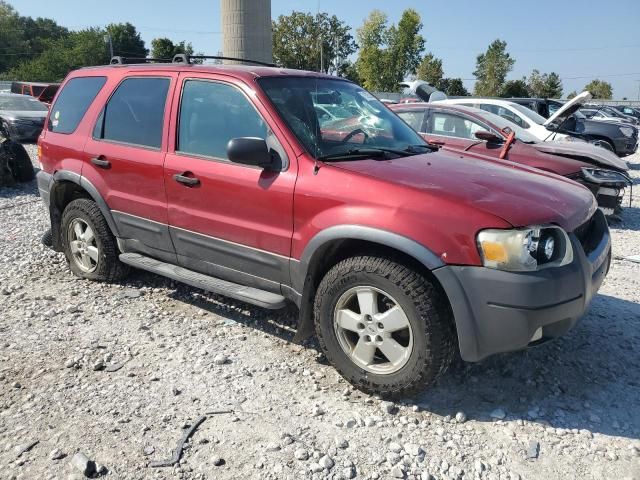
254 296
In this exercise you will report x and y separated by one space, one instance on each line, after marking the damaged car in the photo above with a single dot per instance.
484 135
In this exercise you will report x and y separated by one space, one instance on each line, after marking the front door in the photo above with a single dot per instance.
228 220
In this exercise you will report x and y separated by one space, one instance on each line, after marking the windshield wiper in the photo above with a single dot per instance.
376 152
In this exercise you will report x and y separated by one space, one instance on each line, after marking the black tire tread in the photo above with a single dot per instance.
429 302
111 269
20 163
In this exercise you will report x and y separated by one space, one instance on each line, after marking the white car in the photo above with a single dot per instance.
520 115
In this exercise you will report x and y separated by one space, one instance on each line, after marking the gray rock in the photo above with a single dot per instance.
57 454
221 359
350 423
99 365
461 417
349 472
148 450
217 461
388 407
412 449
533 449
341 442
395 447
316 467
326 462
397 472
301 454
83 464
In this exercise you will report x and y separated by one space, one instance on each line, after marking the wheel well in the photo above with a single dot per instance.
333 252
604 139
63 194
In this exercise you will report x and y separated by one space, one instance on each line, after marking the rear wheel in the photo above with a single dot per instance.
383 325
88 244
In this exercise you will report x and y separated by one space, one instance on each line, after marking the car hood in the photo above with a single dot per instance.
568 108
23 114
519 195
583 151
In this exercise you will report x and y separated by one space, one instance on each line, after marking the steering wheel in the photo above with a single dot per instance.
355 132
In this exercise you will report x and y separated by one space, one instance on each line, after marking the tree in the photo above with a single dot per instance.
126 40
430 70
571 95
453 87
514 89
600 89
389 53
309 42
23 38
492 68
165 48
78 49
544 85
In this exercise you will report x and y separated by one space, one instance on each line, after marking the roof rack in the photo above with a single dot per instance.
128 60
184 58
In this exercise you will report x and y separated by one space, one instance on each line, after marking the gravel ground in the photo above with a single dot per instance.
567 409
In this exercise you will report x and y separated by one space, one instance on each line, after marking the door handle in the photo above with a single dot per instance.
101 162
188 181
436 142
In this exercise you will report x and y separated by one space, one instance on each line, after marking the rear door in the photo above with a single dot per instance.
125 155
236 221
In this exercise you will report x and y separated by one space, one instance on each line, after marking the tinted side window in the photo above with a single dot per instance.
414 118
449 125
211 114
73 102
135 112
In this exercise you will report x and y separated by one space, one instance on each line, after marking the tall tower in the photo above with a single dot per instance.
246 28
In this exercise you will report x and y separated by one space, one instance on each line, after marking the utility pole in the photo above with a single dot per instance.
107 39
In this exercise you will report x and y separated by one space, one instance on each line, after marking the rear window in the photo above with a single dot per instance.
73 102
135 113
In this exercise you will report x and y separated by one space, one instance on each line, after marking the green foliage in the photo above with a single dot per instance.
514 89
165 48
430 70
77 49
571 95
453 87
389 53
492 68
309 42
126 40
544 85
600 89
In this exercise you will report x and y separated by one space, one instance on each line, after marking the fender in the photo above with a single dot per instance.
300 269
68 176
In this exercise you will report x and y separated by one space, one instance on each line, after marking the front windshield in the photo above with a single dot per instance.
529 114
21 104
331 117
506 126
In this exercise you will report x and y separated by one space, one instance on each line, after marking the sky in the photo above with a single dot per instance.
578 40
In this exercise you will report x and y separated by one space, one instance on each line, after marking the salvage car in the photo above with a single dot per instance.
566 121
399 255
42 91
22 117
487 136
607 115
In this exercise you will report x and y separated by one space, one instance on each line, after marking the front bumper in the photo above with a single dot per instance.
25 132
497 311
44 186
626 145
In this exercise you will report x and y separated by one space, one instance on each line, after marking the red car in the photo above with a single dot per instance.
481 134
397 255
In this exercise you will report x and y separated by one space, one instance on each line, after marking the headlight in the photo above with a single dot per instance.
599 176
525 250
627 131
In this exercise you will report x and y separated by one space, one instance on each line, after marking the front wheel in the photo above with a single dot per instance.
384 326
603 144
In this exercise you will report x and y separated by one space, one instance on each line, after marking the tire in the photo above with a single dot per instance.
101 264
602 143
20 162
429 341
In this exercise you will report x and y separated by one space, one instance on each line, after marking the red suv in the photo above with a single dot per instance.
233 180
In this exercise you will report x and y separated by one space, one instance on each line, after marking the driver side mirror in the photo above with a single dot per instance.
250 151
488 137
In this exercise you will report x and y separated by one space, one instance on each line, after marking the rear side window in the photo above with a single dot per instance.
135 113
414 118
73 102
